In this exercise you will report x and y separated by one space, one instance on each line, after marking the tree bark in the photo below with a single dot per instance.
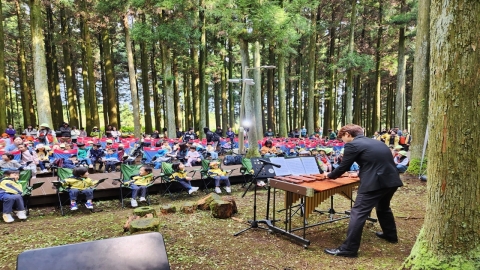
401 75
450 235
282 106
351 44
231 100
271 91
378 80
133 80
224 98
72 104
86 93
168 91
110 79
39 63
156 90
187 98
147 112
195 88
421 80
103 79
176 92
312 46
201 69
3 79
257 93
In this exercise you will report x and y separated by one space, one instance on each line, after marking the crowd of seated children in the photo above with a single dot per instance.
80 183
139 183
338 159
11 195
180 175
192 157
219 175
28 160
211 151
160 157
9 163
43 156
401 160
71 162
268 150
111 160
96 154
324 159
82 154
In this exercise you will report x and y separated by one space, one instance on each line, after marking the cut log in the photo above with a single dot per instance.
204 203
144 224
232 201
143 211
221 209
188 208
126 227
168 208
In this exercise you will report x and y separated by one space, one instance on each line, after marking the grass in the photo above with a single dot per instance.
199 241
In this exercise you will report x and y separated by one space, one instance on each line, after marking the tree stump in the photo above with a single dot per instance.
188 208
221 209
144 224
231 200
204 203
168 208
143 211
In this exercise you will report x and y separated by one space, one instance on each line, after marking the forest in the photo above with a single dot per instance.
144 65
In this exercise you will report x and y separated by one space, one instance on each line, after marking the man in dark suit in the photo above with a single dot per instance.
379 179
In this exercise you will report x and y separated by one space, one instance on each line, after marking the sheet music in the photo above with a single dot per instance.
295 166
310 165
283 170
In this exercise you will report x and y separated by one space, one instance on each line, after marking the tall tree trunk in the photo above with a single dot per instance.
195 88
329 117
357 108
224 98
201 69
401 71
147 112
168 91
92 87
176 93
421 80
28 114
450 233
3 80
39 63
231 99
257 94
216 100
103 80
282 106
378 80
86 93
312 46
110 79
156 90
271 91
133 81
351 44
72 104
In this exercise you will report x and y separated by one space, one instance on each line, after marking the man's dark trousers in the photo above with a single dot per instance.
364 203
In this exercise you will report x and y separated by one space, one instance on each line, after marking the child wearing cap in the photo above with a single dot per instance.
219 175
43 156
96 154
180 175
139 183
96 133
11 195
80 183
82 154
401 160
111 160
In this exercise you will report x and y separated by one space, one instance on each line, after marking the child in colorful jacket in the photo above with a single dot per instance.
11 195
139 183
79 182
180 175
219 175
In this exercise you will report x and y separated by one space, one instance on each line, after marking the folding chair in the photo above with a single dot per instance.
126 174
246 170
62 174
167 179
24 180
207 179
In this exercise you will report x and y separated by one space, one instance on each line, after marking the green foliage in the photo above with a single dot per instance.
359 62
414 167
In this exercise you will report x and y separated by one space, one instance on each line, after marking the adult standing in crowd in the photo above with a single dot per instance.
303 132
179 133
108 131
219 131
75 133
45 135
116 134
379 182
211 137
10 131
83 133
30 131
231 135
65 132
96 133
269 134
331 134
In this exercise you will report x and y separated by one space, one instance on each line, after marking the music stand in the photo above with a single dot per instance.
254 223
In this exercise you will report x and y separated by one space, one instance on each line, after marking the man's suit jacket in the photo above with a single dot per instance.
377 169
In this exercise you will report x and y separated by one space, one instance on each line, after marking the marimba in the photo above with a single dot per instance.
307 192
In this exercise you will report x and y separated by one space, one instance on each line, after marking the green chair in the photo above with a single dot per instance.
61 188
246 170
24 180
167 178
205 177
127 172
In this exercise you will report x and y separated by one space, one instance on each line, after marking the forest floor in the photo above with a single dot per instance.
199 241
